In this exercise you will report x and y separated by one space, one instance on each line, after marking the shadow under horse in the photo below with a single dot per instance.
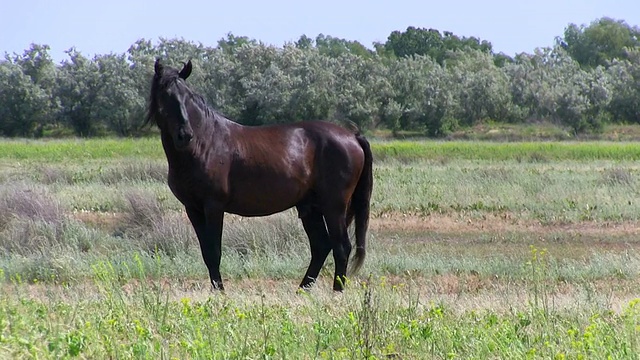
217 166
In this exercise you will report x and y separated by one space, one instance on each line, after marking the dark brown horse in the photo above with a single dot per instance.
218 166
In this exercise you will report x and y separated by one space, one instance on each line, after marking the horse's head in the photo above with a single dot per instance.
169 105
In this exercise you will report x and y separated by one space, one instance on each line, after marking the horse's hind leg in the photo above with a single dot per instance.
337 226
319 242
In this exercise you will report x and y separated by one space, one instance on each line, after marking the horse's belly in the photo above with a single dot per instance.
262 200
255 212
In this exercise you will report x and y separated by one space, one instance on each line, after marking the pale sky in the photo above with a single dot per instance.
102 27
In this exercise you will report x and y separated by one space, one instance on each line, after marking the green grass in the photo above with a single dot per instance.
153 321
80 150
150 148
518 151
551 192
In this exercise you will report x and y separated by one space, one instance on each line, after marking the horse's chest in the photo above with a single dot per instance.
194 188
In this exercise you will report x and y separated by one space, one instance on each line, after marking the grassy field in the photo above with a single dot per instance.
477 250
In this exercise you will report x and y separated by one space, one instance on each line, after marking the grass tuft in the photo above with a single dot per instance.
28 202
278 235
135 171
617 176
148 225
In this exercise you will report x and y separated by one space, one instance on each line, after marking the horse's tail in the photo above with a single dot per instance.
360 203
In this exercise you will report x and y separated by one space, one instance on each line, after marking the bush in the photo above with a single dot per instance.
30 203
152 230
279 234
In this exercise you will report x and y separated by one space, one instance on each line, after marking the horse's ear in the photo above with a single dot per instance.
158 67
186 70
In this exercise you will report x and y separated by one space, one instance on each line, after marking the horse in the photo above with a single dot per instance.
219 166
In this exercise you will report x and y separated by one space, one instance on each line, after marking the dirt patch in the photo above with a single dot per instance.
107 221
439 223
452 223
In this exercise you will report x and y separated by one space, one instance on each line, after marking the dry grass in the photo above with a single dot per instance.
152 229
31 219
141 171
277 235
618 176
28 202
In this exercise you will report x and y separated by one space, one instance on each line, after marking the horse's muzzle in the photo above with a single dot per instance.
183 139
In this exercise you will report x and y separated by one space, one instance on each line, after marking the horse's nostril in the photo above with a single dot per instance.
185 137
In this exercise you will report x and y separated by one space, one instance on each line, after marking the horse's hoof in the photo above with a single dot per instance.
217 286
303 291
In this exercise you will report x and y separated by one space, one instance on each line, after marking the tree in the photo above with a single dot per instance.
335 47
78 88
416 41
502 59
232 43
551 85
38 67
37 64
221 84
481 88
142 56
248 64
268 95
419 79
118 103
603 40
625 93
361 86
421 97
304 42
23 104
314 80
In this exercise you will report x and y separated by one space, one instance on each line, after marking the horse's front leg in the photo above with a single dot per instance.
208 227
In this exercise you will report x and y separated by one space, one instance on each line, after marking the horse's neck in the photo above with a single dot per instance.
211 139
211 131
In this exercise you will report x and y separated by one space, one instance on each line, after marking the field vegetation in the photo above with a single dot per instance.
477 250
484 243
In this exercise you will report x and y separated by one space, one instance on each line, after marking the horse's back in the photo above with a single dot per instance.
304 137
276 167
325 129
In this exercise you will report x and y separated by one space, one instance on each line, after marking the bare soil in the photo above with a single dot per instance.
444 224
504 223
455 233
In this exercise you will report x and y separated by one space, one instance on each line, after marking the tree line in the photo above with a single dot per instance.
419 80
